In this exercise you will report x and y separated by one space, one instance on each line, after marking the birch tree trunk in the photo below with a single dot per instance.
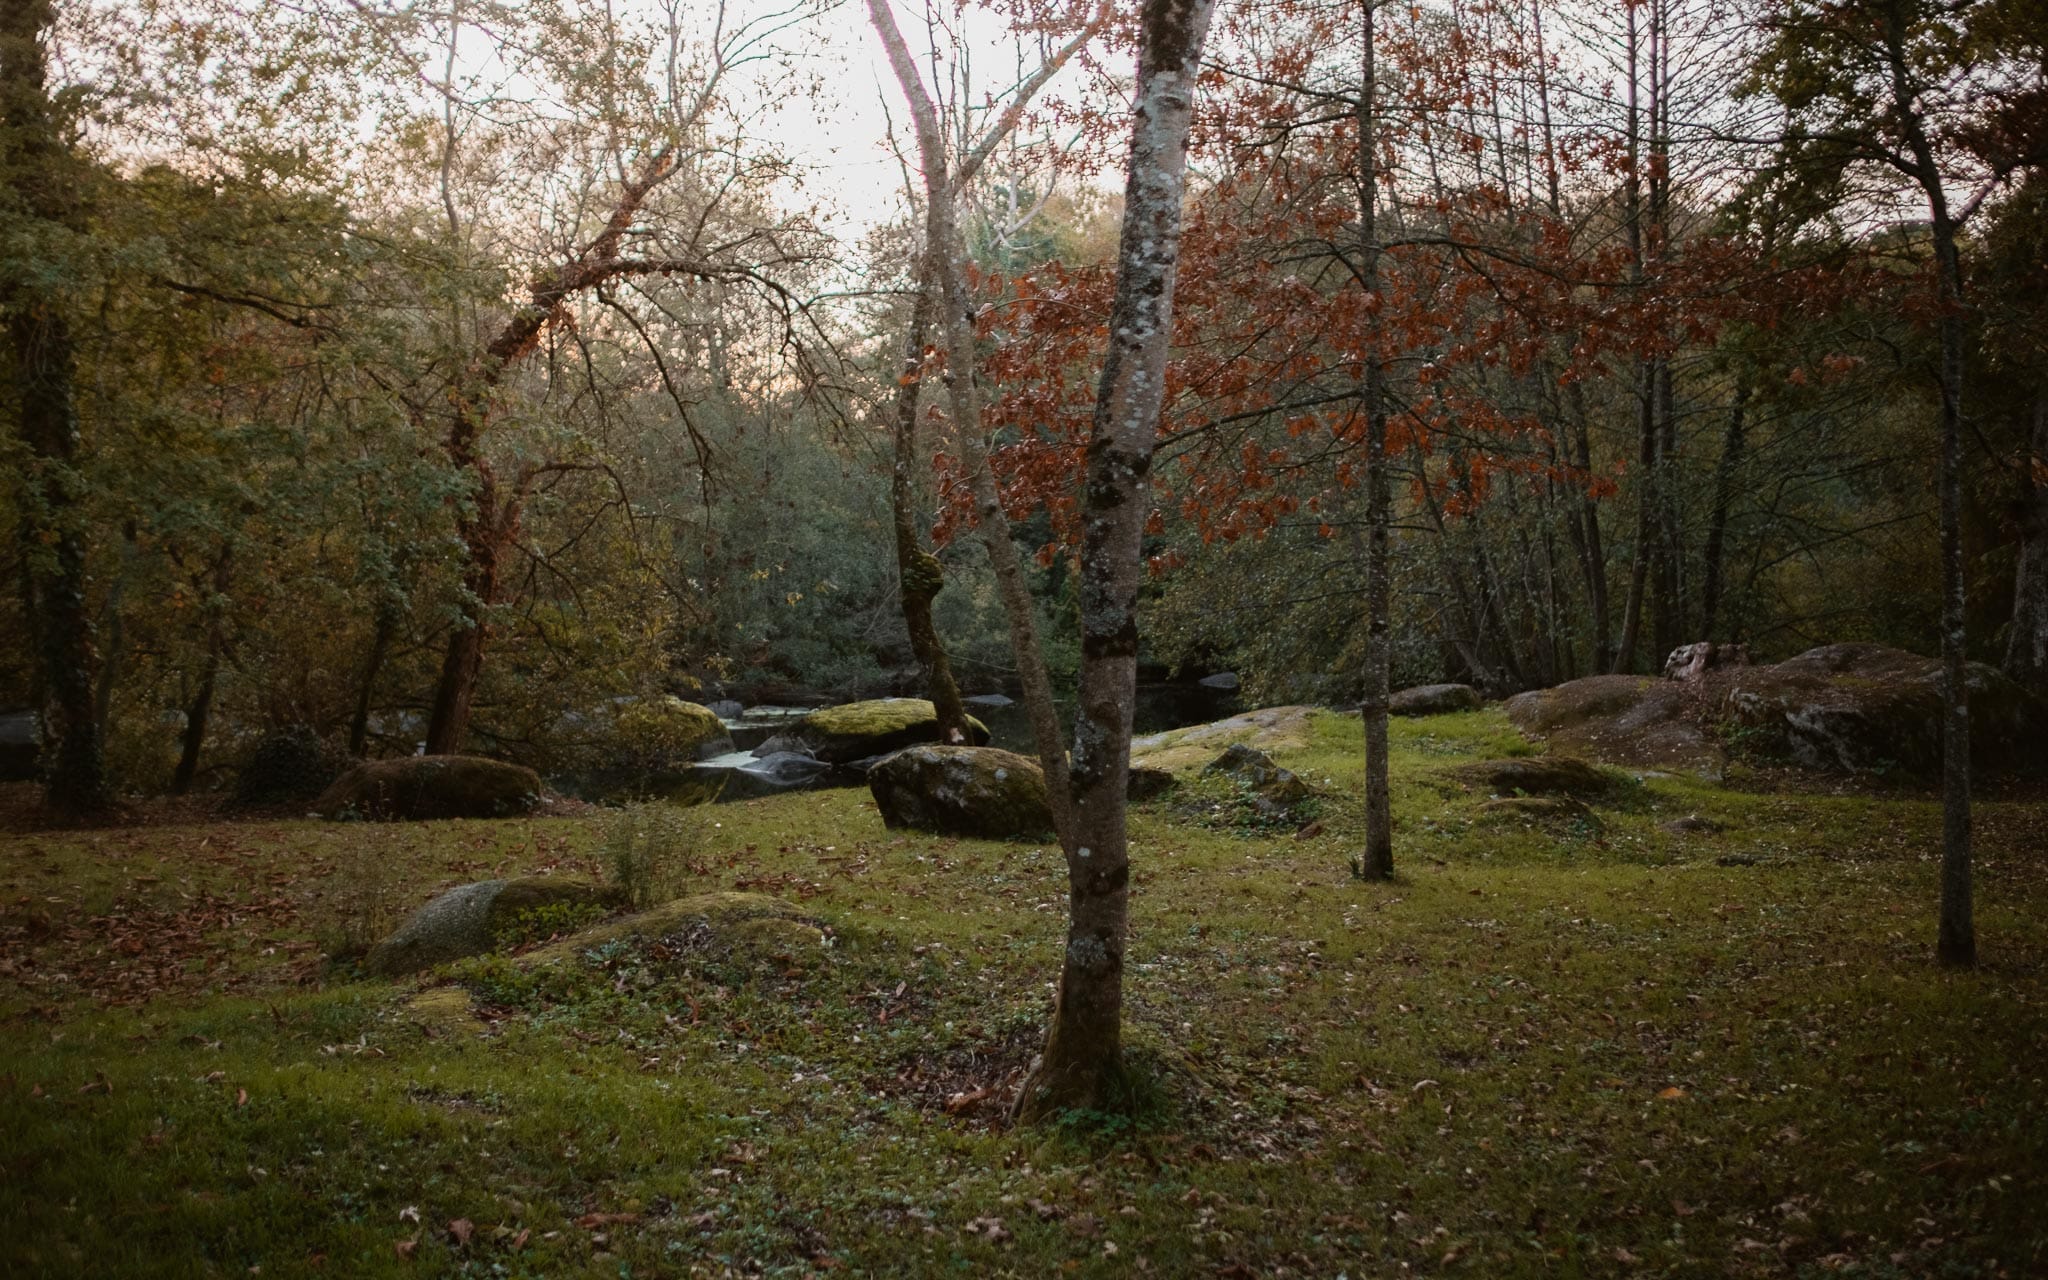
947 253
1082 1065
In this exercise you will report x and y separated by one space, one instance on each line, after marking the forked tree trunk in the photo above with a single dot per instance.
1082 1065
947 255
918 571
37 169
2026 646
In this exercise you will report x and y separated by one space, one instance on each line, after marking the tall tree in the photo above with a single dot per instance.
43 201
1377 861
946 257
1895 87
1083 1058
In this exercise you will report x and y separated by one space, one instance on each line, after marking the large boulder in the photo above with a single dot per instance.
1435 700
1631 720
1274 791
652 752
472 919
1539 776
1870 708
289 766
962 791
413 788
1269 728
858 730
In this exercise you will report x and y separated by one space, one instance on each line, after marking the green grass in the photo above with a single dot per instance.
1535 1053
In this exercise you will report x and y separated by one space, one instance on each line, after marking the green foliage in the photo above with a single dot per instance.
549 920
649 849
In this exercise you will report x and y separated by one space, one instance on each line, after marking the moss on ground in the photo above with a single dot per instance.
1534 1053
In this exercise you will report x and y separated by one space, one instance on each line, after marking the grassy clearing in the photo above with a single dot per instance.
1575 1051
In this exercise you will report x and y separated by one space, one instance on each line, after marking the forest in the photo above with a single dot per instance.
1038 637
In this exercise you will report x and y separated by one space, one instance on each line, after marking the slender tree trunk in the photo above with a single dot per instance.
1377 861
1667 611
1956 942
2026 647
1083 1060
197 715
1592 551
37 167
947 253
919 573
1726 470
380 645
1646 524
462 662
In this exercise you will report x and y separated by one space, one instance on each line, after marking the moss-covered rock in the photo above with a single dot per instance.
1631 720
962 791
1268 728
1870 708
1275 791
415 788
472 919
652 752
857 730
1435 700
1540 776
1148 782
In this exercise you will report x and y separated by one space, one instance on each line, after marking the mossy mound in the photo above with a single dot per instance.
1548 812
748 928
1540 776
475 918
981 792
857 730
443 1011
417 788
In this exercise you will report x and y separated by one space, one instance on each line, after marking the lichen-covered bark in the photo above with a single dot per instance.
37 170
1083 1059
919 574
1377 861
2026 647
947 256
